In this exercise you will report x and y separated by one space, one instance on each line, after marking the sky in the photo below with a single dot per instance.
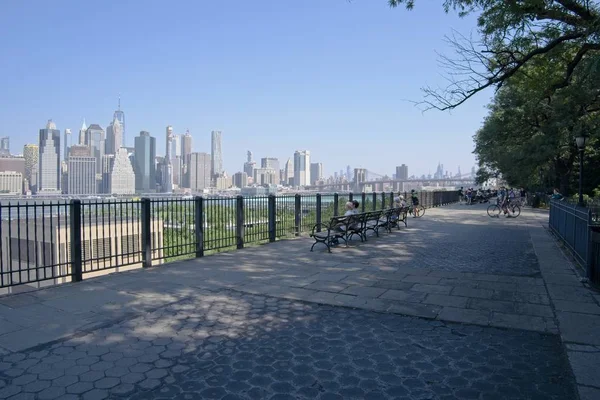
335 77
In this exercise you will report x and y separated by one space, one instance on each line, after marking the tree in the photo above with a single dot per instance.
514 34
528 134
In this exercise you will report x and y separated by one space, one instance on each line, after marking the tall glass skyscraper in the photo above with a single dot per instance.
302 168
120 116
216 155
49 159
144 163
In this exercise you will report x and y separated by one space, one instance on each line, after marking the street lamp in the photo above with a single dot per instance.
581 141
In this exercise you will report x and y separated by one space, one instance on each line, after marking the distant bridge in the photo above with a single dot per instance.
396 185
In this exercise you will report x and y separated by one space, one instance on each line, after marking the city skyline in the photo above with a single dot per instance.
277 98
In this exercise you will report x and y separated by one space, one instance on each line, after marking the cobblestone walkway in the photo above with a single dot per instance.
229 345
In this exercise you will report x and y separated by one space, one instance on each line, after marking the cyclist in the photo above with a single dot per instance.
504 201
415 202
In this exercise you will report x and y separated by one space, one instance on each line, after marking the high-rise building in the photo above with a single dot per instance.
80 151
120 116
176 146
13 163
186 146
271 163
31 154
49 159
167 183
114 137
11 182
249 165
95 138
82 133
302 168
289 172
240 179
199 171
81 175
67 143
316 173
264 176
402 172
145 165
122 177
176 169
5 146
216 155
349 173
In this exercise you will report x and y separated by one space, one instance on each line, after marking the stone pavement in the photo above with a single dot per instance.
468 275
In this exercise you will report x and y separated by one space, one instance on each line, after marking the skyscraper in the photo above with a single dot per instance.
167 184
240 179
199 171
186 146
145 165
402 172
176 146
5 146
289 172
349 174
316 173
249 165
49 159
81 175
82 133
120 116
216 156
66 144
302 168
31 154
271 163
122 178
114 137
94 137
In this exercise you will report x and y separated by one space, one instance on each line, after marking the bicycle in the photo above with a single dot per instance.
495 210
416 211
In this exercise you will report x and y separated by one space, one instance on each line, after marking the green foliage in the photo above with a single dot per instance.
515 34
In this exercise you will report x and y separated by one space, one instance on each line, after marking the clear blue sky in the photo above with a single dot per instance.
330 76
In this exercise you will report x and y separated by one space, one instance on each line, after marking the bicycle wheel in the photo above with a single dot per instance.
516 211
419 211
493 211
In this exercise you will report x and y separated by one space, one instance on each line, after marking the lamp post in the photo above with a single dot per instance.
581 141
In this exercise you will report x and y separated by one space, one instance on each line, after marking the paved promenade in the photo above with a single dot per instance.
456 306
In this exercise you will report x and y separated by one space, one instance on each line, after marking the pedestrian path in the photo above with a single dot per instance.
455 305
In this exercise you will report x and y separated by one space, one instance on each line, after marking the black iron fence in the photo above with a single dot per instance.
579 229
45 243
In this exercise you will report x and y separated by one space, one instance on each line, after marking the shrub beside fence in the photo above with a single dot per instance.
45 243
579 229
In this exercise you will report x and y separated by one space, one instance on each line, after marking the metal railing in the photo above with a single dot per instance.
579 229
45 243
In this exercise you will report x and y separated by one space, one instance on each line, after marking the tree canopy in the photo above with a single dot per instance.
514 34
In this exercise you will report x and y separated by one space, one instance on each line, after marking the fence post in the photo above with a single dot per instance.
76 248
374 201
383 200
363 200
318 210
391 198
336 201
239 221
297 213
146 233
272 218
350 196
199 225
